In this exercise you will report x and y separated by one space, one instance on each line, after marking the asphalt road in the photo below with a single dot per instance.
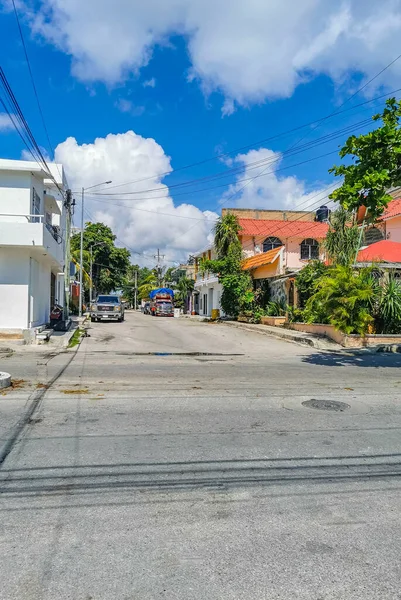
173 459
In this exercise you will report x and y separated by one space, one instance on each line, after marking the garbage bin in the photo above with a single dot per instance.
176 312
215 314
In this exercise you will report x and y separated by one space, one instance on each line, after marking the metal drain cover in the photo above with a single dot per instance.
332 405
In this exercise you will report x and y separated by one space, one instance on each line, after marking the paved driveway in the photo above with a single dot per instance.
174 459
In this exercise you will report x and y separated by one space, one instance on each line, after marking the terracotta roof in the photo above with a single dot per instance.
383 251
259 260
393 209
283 229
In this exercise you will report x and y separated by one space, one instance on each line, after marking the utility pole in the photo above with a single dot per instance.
159 257
69 204
136 291
81 254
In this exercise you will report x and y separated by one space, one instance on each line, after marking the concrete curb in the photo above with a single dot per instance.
287 335
306 339
5 380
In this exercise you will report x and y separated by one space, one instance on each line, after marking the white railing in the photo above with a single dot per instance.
54 230
29 218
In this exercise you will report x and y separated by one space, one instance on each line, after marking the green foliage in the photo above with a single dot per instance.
306 280
343 298
110 263
226 233
342 240
375 166
147 284
185 288
276 309
295 315
390 307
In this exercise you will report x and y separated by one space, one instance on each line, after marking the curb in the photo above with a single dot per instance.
319 342
282 335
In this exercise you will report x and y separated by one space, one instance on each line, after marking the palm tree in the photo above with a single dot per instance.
147 285
342 240
185 287
226 233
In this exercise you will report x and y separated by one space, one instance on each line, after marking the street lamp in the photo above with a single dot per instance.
81 258
91 268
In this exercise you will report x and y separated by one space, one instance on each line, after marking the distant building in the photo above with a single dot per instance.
276 244
32 244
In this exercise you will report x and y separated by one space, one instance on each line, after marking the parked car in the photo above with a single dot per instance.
107 308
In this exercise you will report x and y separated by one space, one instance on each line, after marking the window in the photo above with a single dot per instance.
108 299
35 206
373 235
309 249
270 243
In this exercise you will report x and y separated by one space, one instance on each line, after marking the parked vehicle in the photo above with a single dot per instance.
146 308
161 303
107 308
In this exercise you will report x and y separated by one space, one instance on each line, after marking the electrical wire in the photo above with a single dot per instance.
34 86
219 156
252 165
17 118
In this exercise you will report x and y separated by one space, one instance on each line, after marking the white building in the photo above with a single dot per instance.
32 244
208 290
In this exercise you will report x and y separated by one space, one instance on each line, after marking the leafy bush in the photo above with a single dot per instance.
390 307
343 298
295 315
307 279
276 309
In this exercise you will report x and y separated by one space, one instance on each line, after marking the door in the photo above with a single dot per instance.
205 304
52 290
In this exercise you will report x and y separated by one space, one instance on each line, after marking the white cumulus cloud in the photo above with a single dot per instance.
5 122
261 186
142 224
249 51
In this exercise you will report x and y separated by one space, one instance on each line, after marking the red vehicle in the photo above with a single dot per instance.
161 304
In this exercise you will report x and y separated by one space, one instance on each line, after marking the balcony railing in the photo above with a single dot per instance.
54 230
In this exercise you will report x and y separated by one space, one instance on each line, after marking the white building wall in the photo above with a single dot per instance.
14 283
212 292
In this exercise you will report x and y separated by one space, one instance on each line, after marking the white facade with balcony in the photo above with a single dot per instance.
208 290
32 244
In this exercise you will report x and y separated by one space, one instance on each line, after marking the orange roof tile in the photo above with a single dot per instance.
259 260
383 251
393 209
283 229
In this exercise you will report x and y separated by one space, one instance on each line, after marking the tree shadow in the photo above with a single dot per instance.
353 359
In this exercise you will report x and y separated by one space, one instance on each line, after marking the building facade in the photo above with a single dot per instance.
33 241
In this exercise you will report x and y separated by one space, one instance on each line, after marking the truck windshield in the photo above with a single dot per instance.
108 299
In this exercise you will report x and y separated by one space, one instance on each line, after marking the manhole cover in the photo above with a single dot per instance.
332 405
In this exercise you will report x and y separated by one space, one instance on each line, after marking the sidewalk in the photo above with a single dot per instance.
306 339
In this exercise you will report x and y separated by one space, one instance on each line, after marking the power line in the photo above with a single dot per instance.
252 165
262 141
34 85
17 118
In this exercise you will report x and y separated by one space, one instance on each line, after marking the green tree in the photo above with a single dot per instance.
343 298
226 233
110 263
342 240
375 164
307 279
149 283
185 287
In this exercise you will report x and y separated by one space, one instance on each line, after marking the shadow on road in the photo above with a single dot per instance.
195 475
336 359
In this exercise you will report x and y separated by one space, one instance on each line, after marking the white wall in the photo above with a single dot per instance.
213 292
39 293
14 281
15 194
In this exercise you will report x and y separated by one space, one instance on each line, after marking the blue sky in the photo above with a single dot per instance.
197 90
